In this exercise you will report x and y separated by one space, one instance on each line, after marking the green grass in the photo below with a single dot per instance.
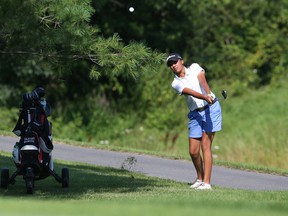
105 191
255 129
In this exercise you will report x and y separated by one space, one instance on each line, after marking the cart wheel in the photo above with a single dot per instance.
65 177
4 178
30 186
29 180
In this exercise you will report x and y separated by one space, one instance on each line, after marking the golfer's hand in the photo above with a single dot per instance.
209 99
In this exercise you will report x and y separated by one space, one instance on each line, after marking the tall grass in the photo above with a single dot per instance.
255 129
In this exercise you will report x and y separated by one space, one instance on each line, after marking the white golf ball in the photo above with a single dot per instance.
131 9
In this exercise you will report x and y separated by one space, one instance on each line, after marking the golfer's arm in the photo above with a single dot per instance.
203 82
188 91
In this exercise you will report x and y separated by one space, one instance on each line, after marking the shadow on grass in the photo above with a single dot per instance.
85 181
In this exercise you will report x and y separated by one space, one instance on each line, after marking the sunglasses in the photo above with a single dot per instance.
172 62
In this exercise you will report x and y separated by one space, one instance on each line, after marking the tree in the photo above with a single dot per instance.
47 37
234 40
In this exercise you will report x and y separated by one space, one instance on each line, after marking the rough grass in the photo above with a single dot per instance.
255 129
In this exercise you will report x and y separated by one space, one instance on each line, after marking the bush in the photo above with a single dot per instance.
8 118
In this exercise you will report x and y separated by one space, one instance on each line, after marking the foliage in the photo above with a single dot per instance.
8 118
234 40
161 101
48 36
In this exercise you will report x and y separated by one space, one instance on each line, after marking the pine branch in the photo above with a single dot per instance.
92 58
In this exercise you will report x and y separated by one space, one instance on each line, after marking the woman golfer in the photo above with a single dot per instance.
205 117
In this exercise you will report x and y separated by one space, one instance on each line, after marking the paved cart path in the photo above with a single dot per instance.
178 170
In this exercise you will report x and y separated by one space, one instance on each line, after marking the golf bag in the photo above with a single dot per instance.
32 154
34 128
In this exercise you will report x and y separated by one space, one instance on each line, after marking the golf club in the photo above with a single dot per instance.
224 95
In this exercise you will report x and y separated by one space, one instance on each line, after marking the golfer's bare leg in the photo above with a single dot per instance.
194 150
207 139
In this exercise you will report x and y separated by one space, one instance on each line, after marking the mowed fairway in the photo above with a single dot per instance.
105 191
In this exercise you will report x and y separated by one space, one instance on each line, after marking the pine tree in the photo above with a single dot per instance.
54 34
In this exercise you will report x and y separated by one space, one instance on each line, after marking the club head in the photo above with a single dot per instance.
224 94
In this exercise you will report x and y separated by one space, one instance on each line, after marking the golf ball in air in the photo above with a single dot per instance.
131 9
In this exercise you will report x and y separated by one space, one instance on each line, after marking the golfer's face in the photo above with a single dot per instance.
177 66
